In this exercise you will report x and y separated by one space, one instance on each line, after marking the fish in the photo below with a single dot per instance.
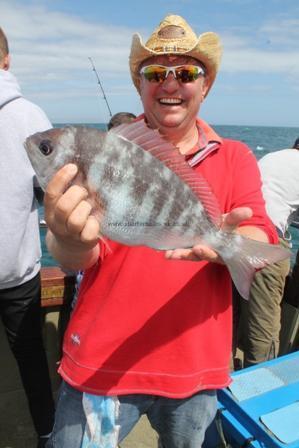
143 192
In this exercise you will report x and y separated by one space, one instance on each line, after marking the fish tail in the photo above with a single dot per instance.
246 256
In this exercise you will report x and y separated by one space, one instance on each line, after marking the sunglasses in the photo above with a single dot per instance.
183 73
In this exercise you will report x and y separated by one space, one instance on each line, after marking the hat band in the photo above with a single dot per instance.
169 49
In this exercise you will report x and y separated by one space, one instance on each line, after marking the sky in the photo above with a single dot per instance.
51 42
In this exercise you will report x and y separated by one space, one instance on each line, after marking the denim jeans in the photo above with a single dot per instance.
20 311
180 423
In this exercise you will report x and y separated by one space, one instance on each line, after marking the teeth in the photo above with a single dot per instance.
170 101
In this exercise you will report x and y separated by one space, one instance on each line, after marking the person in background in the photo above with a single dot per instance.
291 290
296 144
20 284
120 118
258 320
151 333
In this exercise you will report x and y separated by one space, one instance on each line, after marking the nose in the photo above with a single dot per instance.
170 84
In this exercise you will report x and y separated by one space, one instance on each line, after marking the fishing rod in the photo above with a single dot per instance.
99 82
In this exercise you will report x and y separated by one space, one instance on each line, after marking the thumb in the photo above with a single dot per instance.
234 218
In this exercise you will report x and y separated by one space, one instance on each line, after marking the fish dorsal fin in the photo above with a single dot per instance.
152 141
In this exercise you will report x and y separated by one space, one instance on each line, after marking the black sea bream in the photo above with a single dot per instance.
144 193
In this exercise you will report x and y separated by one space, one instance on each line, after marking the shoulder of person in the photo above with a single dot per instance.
238 151
277 155
36 118
236 145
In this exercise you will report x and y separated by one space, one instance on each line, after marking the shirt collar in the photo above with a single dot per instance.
210 134
208 141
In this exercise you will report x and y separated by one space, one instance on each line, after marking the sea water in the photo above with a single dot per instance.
260 139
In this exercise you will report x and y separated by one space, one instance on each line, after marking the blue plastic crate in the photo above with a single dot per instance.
261 407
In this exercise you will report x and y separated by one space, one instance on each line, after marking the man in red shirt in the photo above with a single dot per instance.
154 331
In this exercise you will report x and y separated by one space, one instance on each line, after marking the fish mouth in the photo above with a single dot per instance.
28 145
170 101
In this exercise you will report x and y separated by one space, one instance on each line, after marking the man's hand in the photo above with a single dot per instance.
73 233
230 223
67 211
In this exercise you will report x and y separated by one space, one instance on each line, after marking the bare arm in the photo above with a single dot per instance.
73 233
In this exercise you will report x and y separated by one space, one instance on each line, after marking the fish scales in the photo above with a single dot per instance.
144 193
153 205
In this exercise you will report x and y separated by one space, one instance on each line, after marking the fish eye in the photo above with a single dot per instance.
45 147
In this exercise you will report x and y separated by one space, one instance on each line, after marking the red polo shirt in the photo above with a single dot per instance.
144 324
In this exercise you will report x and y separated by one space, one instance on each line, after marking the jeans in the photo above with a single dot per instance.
21 316
180 423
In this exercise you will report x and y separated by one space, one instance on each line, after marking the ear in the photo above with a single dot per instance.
5 63
139 85
205 87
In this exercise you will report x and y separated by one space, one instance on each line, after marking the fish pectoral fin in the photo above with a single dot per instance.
104 240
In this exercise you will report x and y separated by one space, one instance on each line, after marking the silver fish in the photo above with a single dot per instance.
144 193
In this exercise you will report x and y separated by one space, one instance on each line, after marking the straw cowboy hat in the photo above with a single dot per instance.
174 36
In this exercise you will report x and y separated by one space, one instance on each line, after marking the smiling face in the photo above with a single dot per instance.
171 105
